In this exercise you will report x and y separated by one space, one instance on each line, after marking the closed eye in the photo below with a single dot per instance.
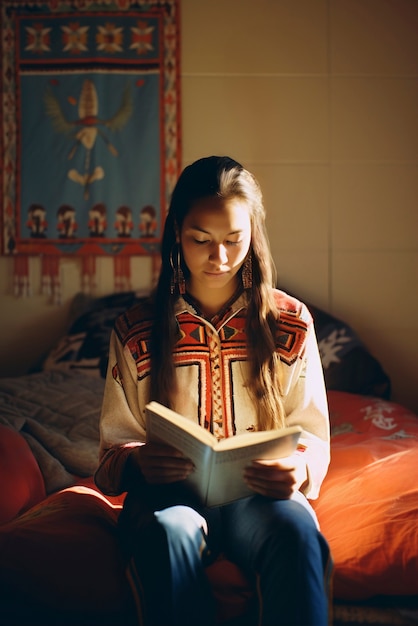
205 241
200 242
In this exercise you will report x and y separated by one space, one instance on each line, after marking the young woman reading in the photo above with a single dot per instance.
219 344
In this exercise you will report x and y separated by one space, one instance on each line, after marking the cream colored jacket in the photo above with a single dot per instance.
211 368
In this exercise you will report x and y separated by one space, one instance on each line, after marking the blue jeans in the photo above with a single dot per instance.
169 540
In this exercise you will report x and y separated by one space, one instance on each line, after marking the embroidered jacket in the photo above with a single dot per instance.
211 369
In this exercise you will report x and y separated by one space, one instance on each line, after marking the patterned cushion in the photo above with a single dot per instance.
348 365
85 347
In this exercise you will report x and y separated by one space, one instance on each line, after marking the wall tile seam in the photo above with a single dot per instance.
381 162
253 75
330 152
373 75
322 162
291 161
368 250
273 163
308 75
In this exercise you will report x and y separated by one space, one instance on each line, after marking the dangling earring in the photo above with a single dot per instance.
181 281
177 278
247 272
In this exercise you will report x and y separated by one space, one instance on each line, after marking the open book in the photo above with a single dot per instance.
219 465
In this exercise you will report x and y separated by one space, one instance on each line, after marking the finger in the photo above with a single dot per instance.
277 491
169 463
270 475
166 473
155 468
281 464
160 449
165 477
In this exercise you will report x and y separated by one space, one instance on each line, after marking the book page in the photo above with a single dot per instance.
226 481
160 429
245 440
219 466
187 443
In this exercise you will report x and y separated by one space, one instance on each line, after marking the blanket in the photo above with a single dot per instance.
58 415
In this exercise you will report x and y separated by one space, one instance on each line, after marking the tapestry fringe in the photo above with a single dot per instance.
88 274
51 278
51 281
122 273
21 277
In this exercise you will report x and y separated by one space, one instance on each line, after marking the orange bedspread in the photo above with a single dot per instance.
368 506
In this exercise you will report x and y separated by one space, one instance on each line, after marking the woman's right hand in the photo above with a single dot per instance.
160 463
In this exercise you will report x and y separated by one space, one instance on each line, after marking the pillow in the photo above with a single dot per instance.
347 364
21 481
86 345
368 506
60 563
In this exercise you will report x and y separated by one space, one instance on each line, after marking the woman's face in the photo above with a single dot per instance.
215 239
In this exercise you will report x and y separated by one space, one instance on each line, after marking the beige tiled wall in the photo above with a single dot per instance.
319 98
374 180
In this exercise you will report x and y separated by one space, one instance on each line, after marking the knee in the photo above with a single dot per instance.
181 523
299 525
291 529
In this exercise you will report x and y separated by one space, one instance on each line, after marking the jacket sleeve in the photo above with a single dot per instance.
122 420
305 403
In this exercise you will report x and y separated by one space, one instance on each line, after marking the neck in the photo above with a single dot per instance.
211 302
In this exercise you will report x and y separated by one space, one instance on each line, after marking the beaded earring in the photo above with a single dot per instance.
247 272
177 278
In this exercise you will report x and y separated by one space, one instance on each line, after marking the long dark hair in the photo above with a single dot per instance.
225 178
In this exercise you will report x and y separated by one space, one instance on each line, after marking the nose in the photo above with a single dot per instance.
218 254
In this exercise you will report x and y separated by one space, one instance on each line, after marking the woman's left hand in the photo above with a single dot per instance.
278 478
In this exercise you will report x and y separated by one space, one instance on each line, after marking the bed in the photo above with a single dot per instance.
59 559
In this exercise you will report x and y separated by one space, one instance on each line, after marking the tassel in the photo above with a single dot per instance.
122 273
21 278
88 274
51 278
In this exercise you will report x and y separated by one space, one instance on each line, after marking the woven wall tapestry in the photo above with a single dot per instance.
90 141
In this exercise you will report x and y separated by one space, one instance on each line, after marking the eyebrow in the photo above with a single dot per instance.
206 232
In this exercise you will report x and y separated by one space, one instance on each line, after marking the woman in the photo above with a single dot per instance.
218 344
